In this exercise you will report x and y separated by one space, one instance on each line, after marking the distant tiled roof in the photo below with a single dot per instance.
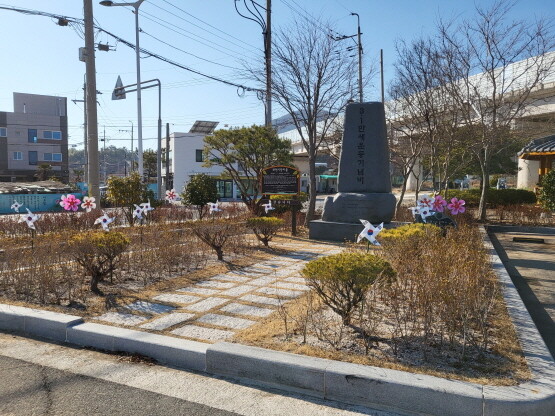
543 145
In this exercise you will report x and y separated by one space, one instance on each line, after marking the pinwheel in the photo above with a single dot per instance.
105 220
456 206
138 212
213 207
370 232
426 201
15 206
439 204
171 196
29 218
268 206
88 203
146 207
415 211
425 212
70 202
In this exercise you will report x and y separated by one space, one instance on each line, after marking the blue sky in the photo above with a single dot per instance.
40 57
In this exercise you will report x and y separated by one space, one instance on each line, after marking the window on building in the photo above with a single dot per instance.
3 132
17 155
32 135
52 135
33 157
200 156
52 157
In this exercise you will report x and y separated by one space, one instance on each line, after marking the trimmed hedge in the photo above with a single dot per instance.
495 197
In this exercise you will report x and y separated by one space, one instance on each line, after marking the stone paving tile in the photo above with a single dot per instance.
295 279
216 284
149 308
226 321
206 304
202 333
240 309
283 272
231 278
279 292
263 300
270 266
294 286
121 318
169 297
245 273
167 320
263 281
199 290
255 269
238 290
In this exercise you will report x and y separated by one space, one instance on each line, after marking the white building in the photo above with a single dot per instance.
186 160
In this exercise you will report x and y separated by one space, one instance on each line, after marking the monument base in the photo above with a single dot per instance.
348 207
340 231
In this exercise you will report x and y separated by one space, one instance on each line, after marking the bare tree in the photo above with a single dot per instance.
313 79
425 127
495 68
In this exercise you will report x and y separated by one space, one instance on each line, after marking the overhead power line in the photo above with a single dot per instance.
65 20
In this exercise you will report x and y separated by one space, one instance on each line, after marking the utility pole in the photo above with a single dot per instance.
359 58
168 157
104 155
381 74
268 50
92 122
254 9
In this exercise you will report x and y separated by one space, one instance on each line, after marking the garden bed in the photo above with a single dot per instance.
405 337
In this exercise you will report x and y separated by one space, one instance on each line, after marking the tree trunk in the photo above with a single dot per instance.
403 190
484 165
220 253
312 188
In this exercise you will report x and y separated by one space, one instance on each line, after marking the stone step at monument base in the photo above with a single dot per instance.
340 231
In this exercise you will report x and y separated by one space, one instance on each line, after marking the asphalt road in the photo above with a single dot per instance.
39 378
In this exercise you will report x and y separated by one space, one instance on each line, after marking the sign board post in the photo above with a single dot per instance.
283 180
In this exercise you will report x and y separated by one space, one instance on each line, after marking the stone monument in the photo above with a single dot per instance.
364 184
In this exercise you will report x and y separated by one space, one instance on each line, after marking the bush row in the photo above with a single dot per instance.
495 197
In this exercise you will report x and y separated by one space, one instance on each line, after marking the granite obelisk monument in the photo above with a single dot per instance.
364 184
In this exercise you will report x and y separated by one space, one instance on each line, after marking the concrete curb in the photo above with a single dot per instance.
37 322
351 383
521 229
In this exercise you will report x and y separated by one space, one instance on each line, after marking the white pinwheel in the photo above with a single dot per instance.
268 206
171 196
146 207
370 232
425 212
16 205
105 220
415 211
138 212
29 218
426 201
88 203
213 207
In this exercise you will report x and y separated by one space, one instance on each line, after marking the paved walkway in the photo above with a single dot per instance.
531 266
215 309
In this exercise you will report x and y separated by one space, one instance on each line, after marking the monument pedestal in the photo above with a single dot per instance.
339 231
349 207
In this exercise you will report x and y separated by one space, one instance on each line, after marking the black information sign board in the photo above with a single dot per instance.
280 180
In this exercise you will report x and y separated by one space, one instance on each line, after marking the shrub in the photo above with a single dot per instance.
199 191
216 233
495 197
341 280
125 192
406 231
547 193
98 252
265 228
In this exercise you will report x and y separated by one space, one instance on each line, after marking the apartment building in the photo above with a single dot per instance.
35 133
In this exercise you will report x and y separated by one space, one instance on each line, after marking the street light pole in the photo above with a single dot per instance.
359 58
136 6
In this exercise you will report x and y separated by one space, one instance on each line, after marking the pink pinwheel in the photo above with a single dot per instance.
439 204
456 206
88 203
70 203
426 201
171 195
